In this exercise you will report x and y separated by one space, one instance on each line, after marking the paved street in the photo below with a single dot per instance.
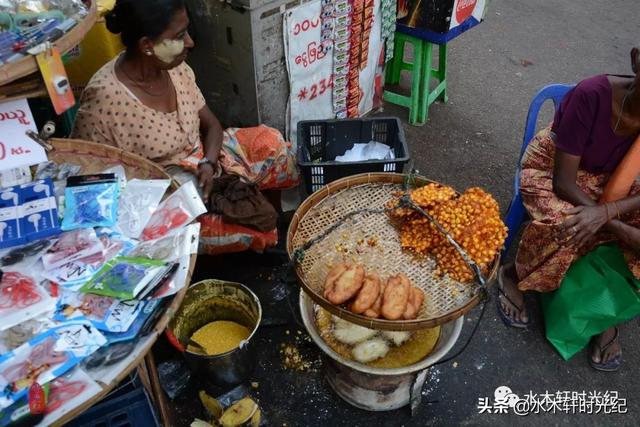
474 140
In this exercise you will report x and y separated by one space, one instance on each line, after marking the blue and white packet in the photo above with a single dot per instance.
137 325
90 201
46 357
106 313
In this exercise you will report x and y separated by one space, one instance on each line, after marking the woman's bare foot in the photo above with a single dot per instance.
511 299
606 347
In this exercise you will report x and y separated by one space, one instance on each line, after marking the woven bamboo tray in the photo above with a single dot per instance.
93 158
445 300
28 65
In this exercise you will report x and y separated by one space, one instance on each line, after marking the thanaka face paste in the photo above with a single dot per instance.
168 50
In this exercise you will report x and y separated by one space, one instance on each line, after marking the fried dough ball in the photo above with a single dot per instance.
396 296
367 295
343 282
374 310
416 298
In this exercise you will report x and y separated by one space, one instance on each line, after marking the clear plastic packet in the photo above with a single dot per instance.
177 210
90 201
21 299
138 202
68 7
120 173
150 310
46 357
56 171
17 335
32 6
106 313
72 246
22 258
74 274
171 247
175 283
7 6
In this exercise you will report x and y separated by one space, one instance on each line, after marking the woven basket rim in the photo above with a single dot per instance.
383 324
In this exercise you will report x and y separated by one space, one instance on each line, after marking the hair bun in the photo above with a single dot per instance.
112 20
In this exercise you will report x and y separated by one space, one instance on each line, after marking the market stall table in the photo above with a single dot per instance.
28 65
94 158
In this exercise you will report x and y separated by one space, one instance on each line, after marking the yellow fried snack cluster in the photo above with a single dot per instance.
473 219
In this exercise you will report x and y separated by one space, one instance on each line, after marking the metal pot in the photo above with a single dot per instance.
377 389
206 302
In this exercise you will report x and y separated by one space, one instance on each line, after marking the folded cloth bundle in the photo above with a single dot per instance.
242 203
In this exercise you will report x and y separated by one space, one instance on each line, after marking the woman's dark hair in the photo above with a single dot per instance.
135 19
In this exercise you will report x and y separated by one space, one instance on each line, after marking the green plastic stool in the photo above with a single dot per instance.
422 71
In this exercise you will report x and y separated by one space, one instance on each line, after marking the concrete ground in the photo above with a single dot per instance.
474 140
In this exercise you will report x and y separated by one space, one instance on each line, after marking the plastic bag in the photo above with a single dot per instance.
46 357
106 313
171 247
17 335
138 202
120 173
21 299
72 246
7 6
177 210
598 292
125 277
90 201
22 258
74 274
56 171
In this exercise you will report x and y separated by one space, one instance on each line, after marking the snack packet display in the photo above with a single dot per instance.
46 357
106 313
180 208
125 278
21 299
138 202
90 201
72 246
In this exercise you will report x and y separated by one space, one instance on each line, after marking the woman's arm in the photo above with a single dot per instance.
212 134
565 173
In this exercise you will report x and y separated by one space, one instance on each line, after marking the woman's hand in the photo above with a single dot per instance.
205 174
584 224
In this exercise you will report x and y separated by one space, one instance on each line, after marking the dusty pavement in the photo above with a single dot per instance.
474 140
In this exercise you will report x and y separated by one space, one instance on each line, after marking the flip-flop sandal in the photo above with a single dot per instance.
505 318
610 366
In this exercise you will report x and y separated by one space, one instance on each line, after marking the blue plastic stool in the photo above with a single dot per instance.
516 213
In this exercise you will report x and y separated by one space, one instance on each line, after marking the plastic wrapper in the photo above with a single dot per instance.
125 278
17 335
21 299
90 201
72 246
174 377
109 355
178 281
68 7
22 258
177 210
120 174
138 202
171 247
142 325
106 313
7 6
46 357
74 274
67 392
56 171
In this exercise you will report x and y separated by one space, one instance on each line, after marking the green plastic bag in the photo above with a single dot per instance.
598 292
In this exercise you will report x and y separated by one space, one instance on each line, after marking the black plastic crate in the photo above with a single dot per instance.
129 407
321 141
